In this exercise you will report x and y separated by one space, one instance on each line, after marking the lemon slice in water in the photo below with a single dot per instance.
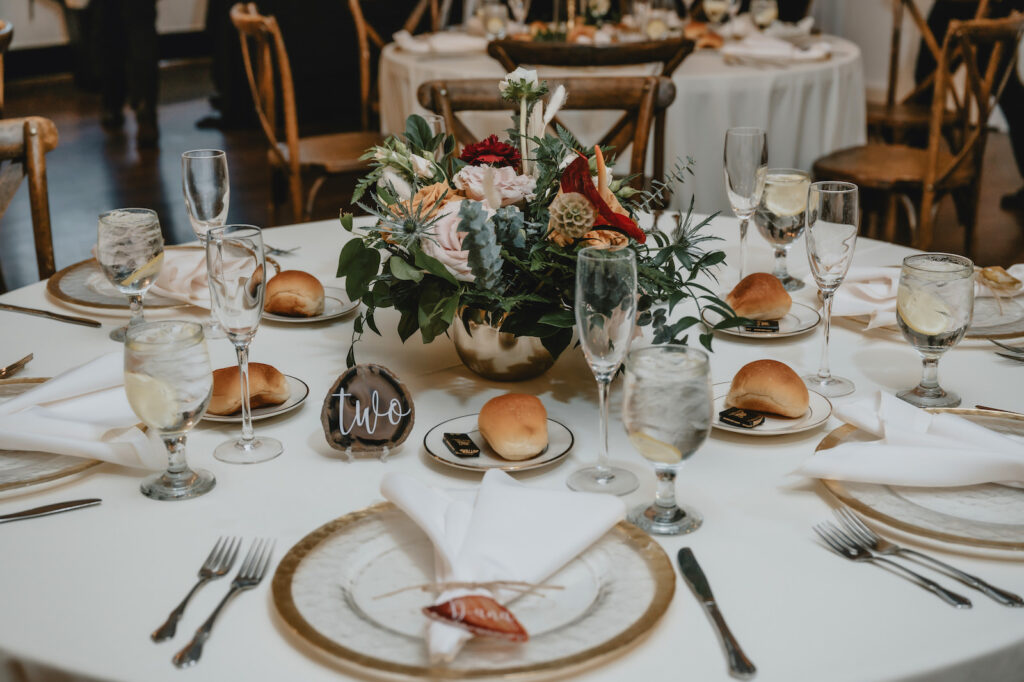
656 450
153 401
150 268
924 313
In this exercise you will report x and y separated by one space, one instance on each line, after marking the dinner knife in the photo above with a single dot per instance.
48 509
739 665
84 321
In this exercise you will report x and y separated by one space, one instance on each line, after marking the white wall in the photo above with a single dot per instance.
46 27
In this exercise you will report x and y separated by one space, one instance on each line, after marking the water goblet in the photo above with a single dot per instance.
746 165
934 303
764 13
605 307
130 251
520 8
717 10
781 215
204 182
495 20
168 381
238 279
831 236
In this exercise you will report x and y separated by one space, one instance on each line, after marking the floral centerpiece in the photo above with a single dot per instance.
490 235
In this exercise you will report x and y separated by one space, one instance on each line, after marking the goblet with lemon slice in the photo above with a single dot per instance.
667 412
130 250
934 304
168 381
780 217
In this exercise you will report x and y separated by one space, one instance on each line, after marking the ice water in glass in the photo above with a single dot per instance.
130 251
781 215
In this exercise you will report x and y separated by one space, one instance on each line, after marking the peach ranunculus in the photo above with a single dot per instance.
445 242
511 188
424 199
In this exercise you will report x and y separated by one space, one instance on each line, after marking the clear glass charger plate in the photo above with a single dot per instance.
20 468
328 590
298 390
989 515
819 408
560 442
336 304
799 320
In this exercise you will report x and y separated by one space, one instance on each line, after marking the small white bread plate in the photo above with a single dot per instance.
799 320
336 304
299 391
560 440
818 412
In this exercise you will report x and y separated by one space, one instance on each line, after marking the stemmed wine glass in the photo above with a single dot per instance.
717 10
130 251
933 308
781 215
746 165
237 266
605 315
168 381
667 411
764 13
204 182
520 8
831 235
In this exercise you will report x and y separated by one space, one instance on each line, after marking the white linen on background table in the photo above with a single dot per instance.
82 591
809 110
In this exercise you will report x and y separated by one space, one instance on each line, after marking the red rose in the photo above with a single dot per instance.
576 178
491 152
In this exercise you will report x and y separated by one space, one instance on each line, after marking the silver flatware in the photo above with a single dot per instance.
1013 349
880 545
848 548
217 564
84 321
48 509
1010 356
998 409
15 367
739 665
274 251
249 575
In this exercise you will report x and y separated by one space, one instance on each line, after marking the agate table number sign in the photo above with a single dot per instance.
367 413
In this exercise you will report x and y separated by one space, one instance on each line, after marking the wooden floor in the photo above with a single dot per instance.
92 171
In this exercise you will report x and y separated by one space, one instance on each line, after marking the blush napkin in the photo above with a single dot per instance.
83 412
871 292
504 531
445 42
760 47
183 277
917 448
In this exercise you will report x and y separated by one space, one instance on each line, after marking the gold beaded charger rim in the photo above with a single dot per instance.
653 555
61 466
852 496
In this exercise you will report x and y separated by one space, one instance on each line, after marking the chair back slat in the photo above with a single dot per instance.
515 53
6 35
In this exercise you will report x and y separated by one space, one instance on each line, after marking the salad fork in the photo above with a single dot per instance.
221 558
254 567
848 548
873 541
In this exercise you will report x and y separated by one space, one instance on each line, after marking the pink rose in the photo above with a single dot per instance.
510 188
445 242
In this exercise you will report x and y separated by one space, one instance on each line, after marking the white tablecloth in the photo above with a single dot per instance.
809 110
82 591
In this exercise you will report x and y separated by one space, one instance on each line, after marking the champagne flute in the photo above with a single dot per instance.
831 235
520 8
130 251
234 257
746 165
605 315
204 182
667 411
781 215
168 381
933 308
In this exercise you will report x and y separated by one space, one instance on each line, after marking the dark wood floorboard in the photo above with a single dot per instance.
92 171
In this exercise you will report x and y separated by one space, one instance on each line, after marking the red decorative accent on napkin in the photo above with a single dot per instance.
491 152
480 615
576 178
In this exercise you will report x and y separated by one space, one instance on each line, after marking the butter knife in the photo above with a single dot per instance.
84 321
48 509
739 665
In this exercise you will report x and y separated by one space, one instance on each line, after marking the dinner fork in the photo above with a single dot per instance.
875 542
220 561
15 367
848 548
249 575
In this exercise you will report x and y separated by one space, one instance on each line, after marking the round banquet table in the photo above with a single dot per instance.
81 591
809 110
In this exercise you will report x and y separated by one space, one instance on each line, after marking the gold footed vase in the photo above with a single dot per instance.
497 355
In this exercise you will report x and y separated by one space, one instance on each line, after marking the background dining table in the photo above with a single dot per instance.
81 591
809 109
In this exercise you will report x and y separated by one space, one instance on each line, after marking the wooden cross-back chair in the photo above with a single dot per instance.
369 39
6 34
896 120
640 98
922 177
669 53
290 156
24 143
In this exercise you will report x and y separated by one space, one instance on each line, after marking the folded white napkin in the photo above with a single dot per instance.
785 30
184 277
83 412
445 42
505 531
871 291
917 448
761 47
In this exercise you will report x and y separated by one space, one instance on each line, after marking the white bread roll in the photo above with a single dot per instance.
515 425
760 296
295 293
768 386
267 386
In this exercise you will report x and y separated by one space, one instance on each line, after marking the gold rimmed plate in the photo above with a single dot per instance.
298 390
336 304
560 442
988 515
818 411
799 320
328 590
